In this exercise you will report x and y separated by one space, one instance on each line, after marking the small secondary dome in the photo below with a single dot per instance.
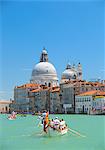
69 73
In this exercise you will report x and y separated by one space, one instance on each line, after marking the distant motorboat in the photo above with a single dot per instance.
12 116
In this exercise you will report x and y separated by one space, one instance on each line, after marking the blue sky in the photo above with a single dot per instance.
70 31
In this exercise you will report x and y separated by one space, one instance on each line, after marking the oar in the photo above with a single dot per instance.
39 124
76 132
72 133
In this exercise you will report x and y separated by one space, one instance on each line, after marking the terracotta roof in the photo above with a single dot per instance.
36 90
5 102
28 85
87 93
55 90
93 92
101 93
80 83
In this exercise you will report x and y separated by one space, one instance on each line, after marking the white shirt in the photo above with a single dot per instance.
56 122
44 114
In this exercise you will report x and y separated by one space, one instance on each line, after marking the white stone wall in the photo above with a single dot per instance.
4 108
99 103
83 104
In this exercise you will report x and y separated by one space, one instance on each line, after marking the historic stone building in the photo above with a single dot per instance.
69 90
40 99
55 101
90 102
67 98
44 92
21 96
4 106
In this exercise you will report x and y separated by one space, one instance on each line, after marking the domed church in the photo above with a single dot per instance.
72 73
44 72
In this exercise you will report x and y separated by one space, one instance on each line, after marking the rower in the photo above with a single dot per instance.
46 122
43 116
44 113
52 123
62 124
56 123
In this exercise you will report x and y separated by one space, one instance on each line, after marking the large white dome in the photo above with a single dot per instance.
44 68
44 72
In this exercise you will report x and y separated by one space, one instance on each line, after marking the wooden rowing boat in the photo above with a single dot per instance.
53 132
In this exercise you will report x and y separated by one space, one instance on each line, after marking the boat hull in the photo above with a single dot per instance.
11 118
52 132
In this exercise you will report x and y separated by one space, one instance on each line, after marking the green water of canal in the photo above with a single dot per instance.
24 134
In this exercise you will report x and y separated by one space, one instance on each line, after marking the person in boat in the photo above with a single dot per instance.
51 123
56 123
62 125
44 113
46 122
12 116
43 116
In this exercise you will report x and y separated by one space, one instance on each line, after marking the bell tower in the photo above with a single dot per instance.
79 71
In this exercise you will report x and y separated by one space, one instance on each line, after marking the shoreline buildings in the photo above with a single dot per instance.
5 106
90 102
45 92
